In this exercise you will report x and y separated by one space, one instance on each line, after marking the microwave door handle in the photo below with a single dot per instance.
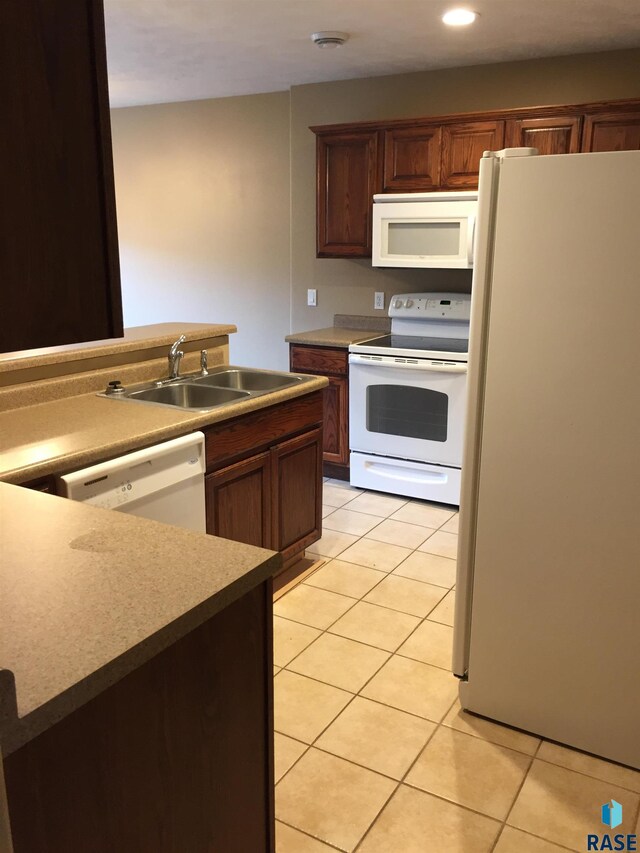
471 233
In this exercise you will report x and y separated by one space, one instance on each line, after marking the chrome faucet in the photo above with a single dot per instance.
175 357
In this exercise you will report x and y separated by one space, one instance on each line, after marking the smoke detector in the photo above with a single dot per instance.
329 39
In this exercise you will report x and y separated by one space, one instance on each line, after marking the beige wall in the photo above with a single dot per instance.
216 199
202 192
347 286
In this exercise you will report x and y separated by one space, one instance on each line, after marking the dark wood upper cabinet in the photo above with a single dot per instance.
462 148
443 153
412 158
349 173
612 131
58 241
557 135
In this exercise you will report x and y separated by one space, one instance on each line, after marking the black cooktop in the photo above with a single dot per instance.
419 343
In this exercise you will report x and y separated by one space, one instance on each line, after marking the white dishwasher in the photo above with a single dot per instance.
164 483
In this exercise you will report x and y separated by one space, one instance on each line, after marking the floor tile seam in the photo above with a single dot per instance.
327 683
314 837
529 755
342 558
415 787
505 822
590 776
370 538
377 583
375 820
351 761
437 622
419 580
438 724
539 837
396 610
401 710
369 644
307 747
323 630
419 660
423 619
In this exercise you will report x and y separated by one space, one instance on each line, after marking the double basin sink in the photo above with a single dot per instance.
203 392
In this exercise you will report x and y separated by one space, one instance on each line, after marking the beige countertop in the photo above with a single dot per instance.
134 338
87 595
64 435
333 336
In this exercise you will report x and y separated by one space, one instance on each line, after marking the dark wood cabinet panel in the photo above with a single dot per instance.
238 501
322 360
173 757
557 135
443 153
297 492
612 131
411 158
58 243
348 176
462 147
336 418
264 477
249 434
334 364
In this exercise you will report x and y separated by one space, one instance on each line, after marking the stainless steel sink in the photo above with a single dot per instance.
188 395
249 380
221 386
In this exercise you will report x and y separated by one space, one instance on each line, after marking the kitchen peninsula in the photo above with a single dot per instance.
135 657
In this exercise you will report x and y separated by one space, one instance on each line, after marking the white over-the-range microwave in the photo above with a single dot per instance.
424 229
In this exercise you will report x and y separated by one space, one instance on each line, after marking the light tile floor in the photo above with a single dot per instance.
373 752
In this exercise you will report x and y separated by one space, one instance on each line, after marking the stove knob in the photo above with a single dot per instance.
408 303
397 303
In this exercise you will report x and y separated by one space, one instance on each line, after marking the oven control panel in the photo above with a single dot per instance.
431 306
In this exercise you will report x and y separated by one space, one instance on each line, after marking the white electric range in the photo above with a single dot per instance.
407 399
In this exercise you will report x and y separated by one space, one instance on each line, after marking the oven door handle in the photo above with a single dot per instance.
430 366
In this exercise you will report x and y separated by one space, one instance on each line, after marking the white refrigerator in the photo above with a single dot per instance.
547 623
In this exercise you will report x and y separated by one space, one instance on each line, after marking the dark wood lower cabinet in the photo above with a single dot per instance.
264 480
238 501
332 362
175 757
297 493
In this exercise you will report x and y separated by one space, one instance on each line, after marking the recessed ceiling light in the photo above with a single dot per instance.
329 39
459 17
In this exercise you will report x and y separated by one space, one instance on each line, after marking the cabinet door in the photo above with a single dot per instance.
238 501
462 147
58 242
558 135
411 158
349 173
336 418
297 493
611 131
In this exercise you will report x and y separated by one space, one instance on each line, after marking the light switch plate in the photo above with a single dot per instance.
312 297
378 300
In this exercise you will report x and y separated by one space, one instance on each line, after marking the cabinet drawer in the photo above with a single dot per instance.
319 360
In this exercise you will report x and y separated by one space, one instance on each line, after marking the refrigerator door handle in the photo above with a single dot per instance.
471 233
483 257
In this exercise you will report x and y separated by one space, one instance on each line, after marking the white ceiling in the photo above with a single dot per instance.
177 50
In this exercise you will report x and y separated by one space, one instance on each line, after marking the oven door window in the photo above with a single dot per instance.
407 411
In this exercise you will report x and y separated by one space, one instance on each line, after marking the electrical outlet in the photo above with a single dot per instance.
378 300
312 297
